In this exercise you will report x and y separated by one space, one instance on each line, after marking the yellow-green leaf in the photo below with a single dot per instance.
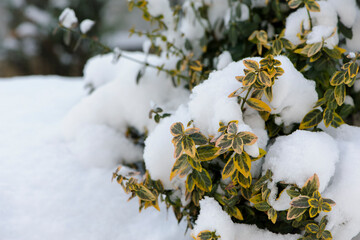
262 206
328 116
295 213
207 152
243 163
249 79
199 139
312 228
300 202
190 183
258 105
272 215
248 138
315 48
337 78
264 78
235 212
189 146
229 169
181 166
178 148
294 3
177 129
312 6
311 119
244 181
251 65
353 69
232 128
340 94
194 164
269 93
311 185
145 194
313 212
238 145
262 36
202 180
338 121
277 46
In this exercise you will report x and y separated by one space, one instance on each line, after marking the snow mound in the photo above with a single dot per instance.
298 156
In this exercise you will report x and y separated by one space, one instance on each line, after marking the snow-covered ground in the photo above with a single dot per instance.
45 193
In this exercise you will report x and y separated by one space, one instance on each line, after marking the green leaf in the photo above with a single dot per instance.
207 152
295 213
333 53
328 116
244 181
311 185
326 235
262 206
228 169
194 164
353 69
272 215
329 201
293 193
312 6
238 145
338 121
177 129
235 212
256 199
224 142
248 138
189 146
314 49
145 194
258 105
232 128
264 78
198 138
325 207
300 202
251 65
202 180
181 166
249 79
269 93
320 102
312 228
243 163
347 32
190 183
294 3
204 235
337 78
340 94
178 148
312 119
277 46
313 202
313 212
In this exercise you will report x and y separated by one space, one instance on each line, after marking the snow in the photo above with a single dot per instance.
86 25
344 219
346 9
68 18
298 156
26 29
224 59
322 21
46 193
37 15
354 43
213 218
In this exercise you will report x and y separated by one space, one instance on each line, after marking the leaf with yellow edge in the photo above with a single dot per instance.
272 215
249 79
235 212
177 129
264 78
337 78
207 152
228 169
258 105
202 180
189 146
314 49
190 183
311 119
244 181
144 194
340 94
312 6
294 3
251 64
338 121
243 163
262 153
181 167
248 138
328 116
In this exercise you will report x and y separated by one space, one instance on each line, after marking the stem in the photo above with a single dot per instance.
107 49
244 99
310 19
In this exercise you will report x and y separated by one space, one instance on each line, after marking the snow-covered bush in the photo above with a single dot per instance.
250 100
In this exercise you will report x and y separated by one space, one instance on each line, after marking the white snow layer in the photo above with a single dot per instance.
327 18
213 218
209 104
86 25
346 9
298 156
68 18
45 192
354 43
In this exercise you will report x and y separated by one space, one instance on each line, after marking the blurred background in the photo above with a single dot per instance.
31 43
